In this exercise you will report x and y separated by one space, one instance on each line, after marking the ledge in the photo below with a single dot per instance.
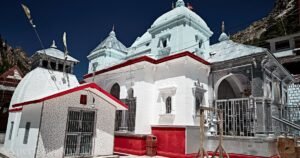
129 134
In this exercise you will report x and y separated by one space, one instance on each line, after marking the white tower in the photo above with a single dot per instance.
108 52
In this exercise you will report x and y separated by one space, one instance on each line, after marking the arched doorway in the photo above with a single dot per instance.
233 86
115 91
232 93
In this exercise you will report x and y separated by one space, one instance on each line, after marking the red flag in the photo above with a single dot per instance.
190 6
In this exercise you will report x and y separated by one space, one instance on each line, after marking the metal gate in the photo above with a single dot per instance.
131 102
79 133
127 121
238 116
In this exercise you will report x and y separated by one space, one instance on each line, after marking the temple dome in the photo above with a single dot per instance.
41 82
180 12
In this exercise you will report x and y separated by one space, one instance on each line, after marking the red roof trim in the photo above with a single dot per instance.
15 109
6 73
150 60
90 85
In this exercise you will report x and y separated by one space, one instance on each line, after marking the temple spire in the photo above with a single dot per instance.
112 33
53 44
180 3
223 26
223 36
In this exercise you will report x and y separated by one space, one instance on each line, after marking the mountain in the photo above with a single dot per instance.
282 20
10 56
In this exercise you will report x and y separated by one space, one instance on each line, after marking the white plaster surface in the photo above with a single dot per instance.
40 82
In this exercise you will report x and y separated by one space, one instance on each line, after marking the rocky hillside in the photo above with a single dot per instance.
283 19
12 56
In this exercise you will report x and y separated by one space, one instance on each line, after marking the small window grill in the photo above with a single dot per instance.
169 105
80 132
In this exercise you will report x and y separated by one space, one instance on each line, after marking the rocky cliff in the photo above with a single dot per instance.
283 20
12 56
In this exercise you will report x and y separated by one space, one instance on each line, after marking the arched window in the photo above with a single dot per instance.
168 105
200 43
115 90
130 93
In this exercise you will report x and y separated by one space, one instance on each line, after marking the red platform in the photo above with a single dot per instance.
170 143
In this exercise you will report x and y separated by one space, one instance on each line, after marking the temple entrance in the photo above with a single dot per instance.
80 132
233 92
233 86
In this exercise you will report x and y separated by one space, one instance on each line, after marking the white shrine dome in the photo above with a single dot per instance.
181 11
41 82
56 53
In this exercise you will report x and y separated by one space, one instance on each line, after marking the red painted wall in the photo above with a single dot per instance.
130 145
170 141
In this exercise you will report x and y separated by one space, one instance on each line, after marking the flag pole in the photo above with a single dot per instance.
27 13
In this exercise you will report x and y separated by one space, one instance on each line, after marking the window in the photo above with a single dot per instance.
200 43
197 106
26 135
168 105
11 129
282 45
68 69
45 64
60 67
95 65
164 43
53 65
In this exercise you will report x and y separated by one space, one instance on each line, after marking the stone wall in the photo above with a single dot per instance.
294 94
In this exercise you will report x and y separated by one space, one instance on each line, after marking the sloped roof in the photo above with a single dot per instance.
227 50
11 72
140 40
53 52
91 86
111 42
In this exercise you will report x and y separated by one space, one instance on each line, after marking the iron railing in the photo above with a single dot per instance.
238 116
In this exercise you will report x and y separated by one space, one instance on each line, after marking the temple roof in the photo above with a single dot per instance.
56 53
41 81
180 11
146 37
227 50
111 42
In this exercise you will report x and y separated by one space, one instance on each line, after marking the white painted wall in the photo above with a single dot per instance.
182 38
30 113
54 121
149 82
13 117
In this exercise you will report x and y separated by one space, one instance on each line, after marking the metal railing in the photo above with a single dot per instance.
238 116
292 115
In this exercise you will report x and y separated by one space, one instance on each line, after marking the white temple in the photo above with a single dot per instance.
50 112
172 70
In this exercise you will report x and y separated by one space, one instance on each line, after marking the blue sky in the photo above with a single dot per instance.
88 22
